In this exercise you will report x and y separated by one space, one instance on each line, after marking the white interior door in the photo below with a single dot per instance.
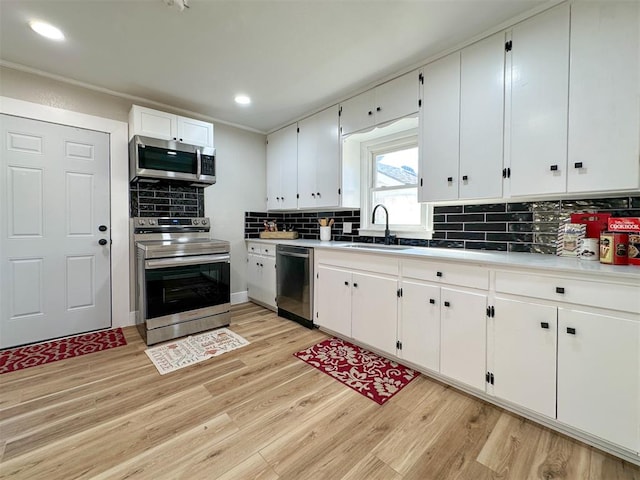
54 201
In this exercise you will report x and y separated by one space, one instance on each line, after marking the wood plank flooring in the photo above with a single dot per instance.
260 413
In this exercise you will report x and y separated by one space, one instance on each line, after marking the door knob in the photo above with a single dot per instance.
102 228
102 242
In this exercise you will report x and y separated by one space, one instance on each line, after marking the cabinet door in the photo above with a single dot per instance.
357 113
604 97
524 354
396 98
539 97
374 311
333 300
599 375
319 159
420 324
482 118
440 130
195 132
154 123
282 168
254 277
463 333
269 281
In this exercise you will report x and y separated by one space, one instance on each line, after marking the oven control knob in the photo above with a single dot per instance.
152 222
205 221
196 221
141 221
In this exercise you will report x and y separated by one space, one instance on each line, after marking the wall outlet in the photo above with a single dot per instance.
346 227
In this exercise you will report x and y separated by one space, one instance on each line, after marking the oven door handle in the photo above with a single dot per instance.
182 261
290 254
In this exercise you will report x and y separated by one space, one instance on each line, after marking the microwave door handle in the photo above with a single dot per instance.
198 162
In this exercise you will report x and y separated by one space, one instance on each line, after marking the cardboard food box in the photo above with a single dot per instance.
624 224
595 222
570 236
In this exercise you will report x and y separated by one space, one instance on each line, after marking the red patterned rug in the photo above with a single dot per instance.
33 355
373 376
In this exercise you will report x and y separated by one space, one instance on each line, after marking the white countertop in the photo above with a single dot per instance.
551 263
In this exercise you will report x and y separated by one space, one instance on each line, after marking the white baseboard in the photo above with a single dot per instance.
239 297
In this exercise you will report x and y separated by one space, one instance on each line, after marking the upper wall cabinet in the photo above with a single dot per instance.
319 160
393 99
482 118
282 168
462 123
539 58
166 126
604 97
440 120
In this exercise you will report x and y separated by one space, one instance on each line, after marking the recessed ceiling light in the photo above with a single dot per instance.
47 30
243 99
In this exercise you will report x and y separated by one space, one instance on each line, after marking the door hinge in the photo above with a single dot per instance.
489 378
297 195
420 182
339 191
340 112
508 46
399 292
317 275
421 78
491 312
398 345
419 102
298 130
316 314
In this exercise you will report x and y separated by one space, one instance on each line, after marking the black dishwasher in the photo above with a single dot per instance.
294 271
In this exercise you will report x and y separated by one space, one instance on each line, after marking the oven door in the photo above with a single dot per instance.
179 289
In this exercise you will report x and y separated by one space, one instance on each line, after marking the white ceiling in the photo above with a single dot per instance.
291 57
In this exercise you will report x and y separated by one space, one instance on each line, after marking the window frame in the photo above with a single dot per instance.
368 151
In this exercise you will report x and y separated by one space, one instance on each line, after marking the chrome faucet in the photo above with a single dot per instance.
388 238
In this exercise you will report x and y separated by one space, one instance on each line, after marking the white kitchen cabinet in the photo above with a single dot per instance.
261 274
167 126
482 118
391 100
374 305
282 168
604 97
419 325
440 124
319 160
538 94
356 295
332 301
463 336
599 375
524 354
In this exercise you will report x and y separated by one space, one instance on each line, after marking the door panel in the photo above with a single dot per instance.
333 300
421 324
54 274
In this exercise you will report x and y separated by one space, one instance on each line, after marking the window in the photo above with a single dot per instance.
389 159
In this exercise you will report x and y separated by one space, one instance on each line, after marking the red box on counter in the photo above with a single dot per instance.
595 222
624 224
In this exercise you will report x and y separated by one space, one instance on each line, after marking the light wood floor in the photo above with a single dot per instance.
260 413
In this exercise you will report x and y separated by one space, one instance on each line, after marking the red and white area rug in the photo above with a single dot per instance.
33 355
371 375
181 353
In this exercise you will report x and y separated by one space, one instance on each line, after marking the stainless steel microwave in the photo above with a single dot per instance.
151 158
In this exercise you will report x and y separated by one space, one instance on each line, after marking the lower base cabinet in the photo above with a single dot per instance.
333 299
261 279
463 336
599 375
524 354
419 326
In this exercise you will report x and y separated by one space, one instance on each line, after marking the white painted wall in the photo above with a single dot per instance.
241 175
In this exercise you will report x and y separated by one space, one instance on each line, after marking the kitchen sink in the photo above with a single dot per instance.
377 246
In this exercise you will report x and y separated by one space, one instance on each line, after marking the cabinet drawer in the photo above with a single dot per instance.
449 273
253 248
268 250
613 296
358 261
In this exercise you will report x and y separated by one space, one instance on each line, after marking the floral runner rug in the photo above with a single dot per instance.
18 358
181 353
371 375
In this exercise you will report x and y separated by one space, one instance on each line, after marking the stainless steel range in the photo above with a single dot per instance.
182 278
